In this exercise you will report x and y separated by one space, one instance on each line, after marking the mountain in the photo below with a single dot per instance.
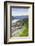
19 17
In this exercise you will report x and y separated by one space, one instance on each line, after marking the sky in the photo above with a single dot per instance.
19 11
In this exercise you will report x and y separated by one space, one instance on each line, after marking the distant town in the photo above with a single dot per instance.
18 23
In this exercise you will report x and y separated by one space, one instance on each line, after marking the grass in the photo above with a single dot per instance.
24 30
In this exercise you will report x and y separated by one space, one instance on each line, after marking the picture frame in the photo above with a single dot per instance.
14 11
